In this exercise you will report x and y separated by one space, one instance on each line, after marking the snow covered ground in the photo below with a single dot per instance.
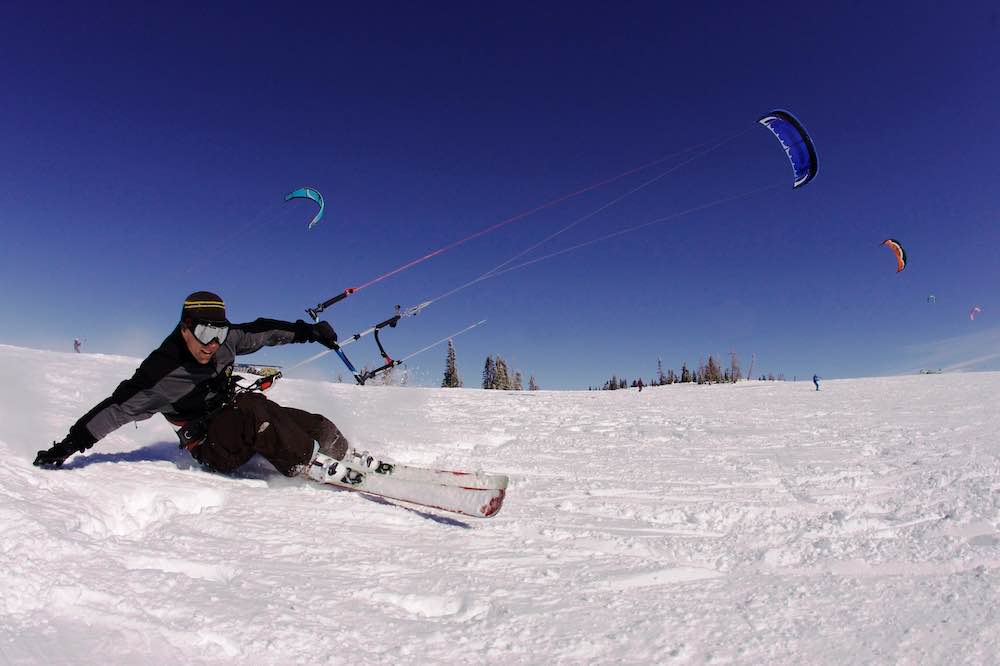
758 523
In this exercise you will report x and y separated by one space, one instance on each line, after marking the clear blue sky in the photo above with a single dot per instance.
145 153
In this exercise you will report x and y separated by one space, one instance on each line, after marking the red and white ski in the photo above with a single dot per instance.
478 479
465 500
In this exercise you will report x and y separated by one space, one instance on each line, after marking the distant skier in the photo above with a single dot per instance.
640 385
76 345
816 379
189 380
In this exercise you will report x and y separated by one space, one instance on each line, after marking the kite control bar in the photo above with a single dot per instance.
362 377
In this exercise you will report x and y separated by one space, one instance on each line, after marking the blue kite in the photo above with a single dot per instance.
796 142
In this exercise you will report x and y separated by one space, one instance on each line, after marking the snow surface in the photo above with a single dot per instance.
761 523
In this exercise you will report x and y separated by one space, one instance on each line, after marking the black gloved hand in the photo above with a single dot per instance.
324 334
57 455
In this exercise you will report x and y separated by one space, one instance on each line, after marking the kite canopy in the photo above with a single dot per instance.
308 193
796 142
974 311
931 298
900 253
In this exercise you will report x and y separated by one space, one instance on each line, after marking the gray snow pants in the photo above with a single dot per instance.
284 436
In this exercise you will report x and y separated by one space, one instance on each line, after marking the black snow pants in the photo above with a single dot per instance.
284 436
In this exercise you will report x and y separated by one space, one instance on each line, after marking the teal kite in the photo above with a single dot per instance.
308 193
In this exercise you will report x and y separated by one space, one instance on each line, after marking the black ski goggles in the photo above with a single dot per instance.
207 333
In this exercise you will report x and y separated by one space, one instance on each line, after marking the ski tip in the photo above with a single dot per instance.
493 506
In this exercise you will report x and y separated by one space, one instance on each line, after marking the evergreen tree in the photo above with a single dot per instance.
661 379
532 386
451 378
489 374
712 374
502 380
671 377
517 384
685 374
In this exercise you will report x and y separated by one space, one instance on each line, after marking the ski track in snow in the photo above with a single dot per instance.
753 523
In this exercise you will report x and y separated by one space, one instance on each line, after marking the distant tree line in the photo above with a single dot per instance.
708 372
498 376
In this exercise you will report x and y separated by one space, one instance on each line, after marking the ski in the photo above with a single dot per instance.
468 501
444 477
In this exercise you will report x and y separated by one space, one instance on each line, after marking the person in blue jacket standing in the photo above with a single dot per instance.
816 381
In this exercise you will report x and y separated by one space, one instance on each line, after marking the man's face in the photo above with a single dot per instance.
201 353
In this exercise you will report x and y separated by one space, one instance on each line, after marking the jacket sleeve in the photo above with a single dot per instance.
268 333
146 393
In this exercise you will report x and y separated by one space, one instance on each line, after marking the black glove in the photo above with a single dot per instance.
321 332
324 334
57 455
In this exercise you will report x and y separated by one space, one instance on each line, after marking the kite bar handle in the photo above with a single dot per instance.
371 373
314 312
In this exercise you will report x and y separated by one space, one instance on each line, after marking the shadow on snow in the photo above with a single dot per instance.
257 468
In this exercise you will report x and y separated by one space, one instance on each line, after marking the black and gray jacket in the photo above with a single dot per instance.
172 383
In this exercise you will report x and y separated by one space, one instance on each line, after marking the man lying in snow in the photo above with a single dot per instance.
189 380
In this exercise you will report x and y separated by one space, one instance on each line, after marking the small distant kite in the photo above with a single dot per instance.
898 250
796 142
931 298
308 193
974 312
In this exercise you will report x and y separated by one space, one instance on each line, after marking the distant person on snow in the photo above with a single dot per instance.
816 381
188 379
76 345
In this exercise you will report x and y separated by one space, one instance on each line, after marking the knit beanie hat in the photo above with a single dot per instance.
204 307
